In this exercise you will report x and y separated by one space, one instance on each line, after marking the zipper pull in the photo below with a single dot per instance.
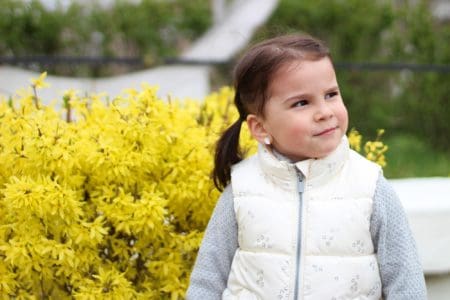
300 182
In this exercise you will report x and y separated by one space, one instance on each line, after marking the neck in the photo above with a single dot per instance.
273 161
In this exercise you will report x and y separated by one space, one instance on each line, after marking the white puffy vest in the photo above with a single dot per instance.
310 245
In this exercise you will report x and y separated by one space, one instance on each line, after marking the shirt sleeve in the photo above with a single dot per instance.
210 274
400 268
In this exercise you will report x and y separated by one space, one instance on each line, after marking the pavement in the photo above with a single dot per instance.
227 38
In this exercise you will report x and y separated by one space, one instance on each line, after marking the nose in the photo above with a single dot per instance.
324 111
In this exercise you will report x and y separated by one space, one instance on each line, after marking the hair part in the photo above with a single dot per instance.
252 76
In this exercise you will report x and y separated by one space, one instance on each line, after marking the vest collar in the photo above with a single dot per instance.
280 168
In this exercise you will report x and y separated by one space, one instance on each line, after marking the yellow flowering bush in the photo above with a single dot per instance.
106 199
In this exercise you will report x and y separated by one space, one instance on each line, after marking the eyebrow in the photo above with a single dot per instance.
334 88
296 97
306 95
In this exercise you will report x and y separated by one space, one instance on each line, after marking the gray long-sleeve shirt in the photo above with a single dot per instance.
400 269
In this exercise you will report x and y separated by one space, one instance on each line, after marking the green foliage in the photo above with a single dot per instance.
410 156
28 28
380 32
352 28
150 29
423 103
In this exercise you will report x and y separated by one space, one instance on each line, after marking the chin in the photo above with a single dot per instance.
325 152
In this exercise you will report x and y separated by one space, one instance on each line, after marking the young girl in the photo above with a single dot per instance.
306 217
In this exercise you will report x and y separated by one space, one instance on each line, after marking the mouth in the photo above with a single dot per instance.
327 131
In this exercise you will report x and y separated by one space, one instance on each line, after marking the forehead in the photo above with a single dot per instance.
302 76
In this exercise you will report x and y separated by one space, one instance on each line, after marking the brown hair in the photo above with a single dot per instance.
252 76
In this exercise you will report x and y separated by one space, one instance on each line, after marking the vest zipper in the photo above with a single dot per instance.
300 190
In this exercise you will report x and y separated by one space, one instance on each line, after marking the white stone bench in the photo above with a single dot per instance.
427 204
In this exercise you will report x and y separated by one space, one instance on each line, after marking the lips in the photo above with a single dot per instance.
326 131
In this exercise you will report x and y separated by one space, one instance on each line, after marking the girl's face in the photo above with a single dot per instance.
305 116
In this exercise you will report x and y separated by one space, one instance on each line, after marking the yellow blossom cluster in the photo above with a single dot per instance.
107 199
373 150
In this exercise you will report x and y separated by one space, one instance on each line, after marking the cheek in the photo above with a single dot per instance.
298 130
342 116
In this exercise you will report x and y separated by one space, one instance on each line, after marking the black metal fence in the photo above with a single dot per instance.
137 62
70 60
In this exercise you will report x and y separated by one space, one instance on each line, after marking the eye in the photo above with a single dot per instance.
331 95
300 103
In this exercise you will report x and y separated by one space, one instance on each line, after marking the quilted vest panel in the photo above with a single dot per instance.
328 225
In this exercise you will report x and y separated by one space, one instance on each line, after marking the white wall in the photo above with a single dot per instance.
176 81
427 204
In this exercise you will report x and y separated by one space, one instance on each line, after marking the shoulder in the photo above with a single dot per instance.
245 164
227 194
225 201
244 172
362 162
384 192
386 203
362 173
384 187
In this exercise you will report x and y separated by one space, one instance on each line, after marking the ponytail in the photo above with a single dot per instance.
227 154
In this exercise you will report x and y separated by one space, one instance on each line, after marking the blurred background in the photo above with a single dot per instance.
392 57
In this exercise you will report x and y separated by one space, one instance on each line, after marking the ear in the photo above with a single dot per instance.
256 127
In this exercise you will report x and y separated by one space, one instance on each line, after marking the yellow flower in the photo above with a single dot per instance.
69 94
39 82
354 139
